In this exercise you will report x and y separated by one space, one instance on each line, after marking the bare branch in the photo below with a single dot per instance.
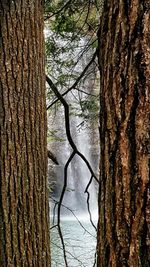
67 125
64 185
55 225
75 83
75 151
59 206
52 157
88 198
84 92
68 253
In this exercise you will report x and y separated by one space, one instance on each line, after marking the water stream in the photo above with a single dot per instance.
80 245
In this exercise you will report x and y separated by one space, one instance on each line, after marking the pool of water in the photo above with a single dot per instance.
80 242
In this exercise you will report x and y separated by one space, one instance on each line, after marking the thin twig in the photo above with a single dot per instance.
84 92
55 225
58 11
68 253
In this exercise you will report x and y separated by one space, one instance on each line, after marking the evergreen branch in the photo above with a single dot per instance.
58 11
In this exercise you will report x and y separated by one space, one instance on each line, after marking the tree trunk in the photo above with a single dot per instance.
124 196
24 218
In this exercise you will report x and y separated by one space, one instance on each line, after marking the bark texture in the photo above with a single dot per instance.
124 196
24 220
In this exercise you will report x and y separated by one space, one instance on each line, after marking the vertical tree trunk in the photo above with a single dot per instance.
24 220
124 197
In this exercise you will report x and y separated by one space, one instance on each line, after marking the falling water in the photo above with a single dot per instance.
74 211
75 200
85 137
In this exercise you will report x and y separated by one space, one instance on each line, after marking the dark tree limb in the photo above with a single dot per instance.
64 186
75 151
88 203
67 125
59 206
86 93
54 88
52 157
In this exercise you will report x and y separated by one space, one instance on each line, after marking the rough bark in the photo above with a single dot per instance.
24 220
124 196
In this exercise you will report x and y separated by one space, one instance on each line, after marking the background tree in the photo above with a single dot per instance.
24 218
124 196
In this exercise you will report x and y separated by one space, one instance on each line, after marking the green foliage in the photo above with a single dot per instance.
50 46
87 108
64 23
68 23
50 6
72 16
53 136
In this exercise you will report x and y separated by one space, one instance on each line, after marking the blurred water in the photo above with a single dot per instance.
80 244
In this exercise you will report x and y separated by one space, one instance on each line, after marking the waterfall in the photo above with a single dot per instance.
85 136
74 209
79 175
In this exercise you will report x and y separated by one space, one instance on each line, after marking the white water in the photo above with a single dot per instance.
80 245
